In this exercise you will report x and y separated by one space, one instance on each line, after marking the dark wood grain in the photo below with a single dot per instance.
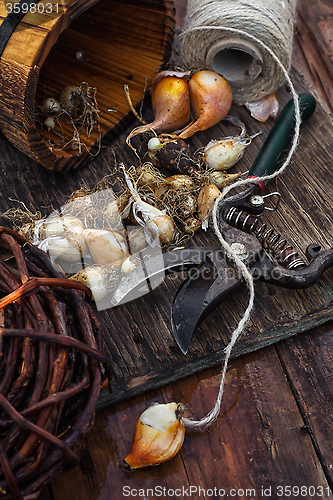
258 440
307 361
270 395
313 45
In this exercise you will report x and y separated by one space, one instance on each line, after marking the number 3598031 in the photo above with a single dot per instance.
33 8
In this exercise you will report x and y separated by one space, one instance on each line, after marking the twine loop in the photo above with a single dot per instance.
206 421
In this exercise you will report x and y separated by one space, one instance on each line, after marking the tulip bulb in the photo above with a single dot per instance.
170 101
223 154
50 123
100 279
147 175
187 206
222 179
106 247
128 266
70 99
191 225
264 108
159 435
211 99
137 239
206 200
159 224
93 209
59 226
67 248
50 106
118 209
63 237
171 153
93 277
180 181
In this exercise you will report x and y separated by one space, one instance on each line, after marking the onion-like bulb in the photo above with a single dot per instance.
171 153
170 101
179 181
63 237
211 99
50 123
137 239
224 153
50 106
158 224
100 279
161 226
106 247
159 435
222 179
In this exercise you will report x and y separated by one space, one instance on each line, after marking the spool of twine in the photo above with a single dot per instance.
230 36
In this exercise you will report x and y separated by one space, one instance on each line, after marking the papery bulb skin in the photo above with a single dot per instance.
170 99
159 435
206 199
137 240
93 277
63 237
222 179
264 108
106 247
224 153
101 279
191 225
211 99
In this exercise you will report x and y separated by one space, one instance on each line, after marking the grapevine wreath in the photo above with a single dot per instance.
52 367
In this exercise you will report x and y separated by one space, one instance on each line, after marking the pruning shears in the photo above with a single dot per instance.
214 275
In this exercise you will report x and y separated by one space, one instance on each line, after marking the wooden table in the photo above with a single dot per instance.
274 435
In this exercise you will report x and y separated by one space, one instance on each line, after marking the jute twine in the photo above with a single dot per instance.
260 24
206 421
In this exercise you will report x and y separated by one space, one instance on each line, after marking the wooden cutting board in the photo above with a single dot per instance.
138 334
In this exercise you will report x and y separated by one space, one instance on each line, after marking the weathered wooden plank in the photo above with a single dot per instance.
307 361
257 442
313 49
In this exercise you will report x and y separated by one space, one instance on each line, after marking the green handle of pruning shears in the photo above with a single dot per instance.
279 138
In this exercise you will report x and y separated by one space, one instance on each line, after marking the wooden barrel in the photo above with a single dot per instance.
101 45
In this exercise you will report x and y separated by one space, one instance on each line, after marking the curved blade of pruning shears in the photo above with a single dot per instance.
215 280
149 274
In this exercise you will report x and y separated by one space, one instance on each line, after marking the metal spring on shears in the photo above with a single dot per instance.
270 239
